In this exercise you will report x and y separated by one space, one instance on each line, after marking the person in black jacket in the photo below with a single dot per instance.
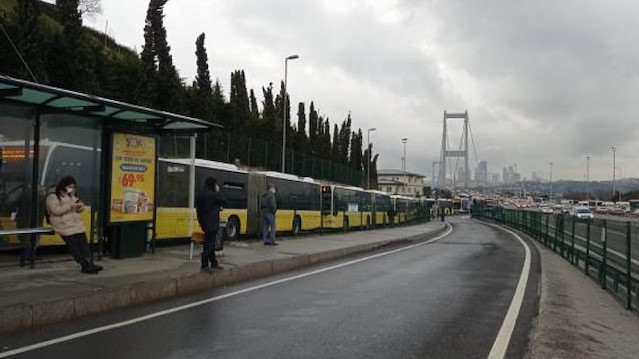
268 207
208 205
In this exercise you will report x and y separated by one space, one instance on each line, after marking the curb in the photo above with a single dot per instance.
29 316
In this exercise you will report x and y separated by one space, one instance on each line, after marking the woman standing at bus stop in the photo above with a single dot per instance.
64 208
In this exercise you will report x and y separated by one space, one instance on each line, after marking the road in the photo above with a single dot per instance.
445 299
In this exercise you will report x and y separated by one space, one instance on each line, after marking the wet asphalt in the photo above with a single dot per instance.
445 299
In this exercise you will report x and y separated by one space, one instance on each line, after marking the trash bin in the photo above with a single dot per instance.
128 239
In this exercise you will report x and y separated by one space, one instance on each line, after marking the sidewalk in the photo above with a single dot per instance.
56 290
577 319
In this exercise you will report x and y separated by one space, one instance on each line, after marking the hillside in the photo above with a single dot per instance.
49 19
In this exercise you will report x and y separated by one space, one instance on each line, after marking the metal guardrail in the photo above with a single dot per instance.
605 249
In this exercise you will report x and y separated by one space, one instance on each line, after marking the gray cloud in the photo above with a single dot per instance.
542 81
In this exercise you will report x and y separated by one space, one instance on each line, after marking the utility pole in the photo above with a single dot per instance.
550 193
614 170
284 124
587 178
404 140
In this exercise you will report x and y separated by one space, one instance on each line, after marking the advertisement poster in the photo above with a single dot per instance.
132 178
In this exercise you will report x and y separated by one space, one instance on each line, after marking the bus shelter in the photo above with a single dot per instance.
110 147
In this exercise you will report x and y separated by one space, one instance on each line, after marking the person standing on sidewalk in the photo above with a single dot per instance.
268 206
64 208
207 205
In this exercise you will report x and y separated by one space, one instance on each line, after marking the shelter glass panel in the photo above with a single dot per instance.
16 166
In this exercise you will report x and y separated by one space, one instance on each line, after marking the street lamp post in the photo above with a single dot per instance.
404 140
368 165
614 170
284 126
550 194
587 178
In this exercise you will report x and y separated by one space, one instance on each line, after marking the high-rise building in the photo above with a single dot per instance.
481 173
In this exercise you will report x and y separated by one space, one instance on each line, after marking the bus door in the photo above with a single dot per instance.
328 213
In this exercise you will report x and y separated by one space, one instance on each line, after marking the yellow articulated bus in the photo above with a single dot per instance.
298 199
173 217
382 207
345 207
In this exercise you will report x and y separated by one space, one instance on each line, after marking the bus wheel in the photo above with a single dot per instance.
232 230
297 226
345 224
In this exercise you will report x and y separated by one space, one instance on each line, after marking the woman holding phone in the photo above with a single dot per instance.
64 208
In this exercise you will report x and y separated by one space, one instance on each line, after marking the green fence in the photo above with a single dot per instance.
604 249
234 148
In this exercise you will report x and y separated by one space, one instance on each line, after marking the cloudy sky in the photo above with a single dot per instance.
541 80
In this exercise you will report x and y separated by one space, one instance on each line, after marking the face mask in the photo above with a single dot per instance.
272 190
217 188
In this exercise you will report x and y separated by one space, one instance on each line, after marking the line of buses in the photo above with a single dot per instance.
304 204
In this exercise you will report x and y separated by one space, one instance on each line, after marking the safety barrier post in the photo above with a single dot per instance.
540 230
572 244
554 240
563 236
547 237
604 244
587 248
628 266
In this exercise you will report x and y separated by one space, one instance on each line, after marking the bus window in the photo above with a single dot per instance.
173 189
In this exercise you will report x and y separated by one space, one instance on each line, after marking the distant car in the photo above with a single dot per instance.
581 213
546 210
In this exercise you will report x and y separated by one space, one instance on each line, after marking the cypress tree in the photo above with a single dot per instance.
170 90
313 129
219 104
29 40
74 68
335 155
255 111
301 128
203 107
146 92
269 121
239 101
356 151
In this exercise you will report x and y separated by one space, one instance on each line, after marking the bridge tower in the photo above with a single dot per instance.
448 153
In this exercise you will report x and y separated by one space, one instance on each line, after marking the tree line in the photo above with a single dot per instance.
56 49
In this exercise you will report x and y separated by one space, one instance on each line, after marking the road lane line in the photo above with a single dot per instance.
88 332
498 351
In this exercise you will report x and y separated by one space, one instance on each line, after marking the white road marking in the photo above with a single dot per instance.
498 351
85 333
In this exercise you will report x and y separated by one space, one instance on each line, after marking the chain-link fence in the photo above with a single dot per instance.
604 249
247 151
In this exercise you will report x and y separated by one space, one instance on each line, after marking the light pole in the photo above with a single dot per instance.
368 165
284 126
404 140
587 178
550 194
614 170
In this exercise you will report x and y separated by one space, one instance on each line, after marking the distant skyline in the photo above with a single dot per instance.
542 81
